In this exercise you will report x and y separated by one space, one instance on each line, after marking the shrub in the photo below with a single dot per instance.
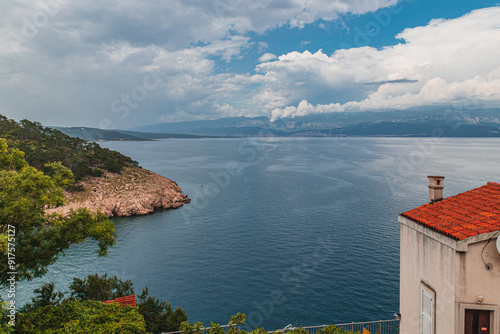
82 317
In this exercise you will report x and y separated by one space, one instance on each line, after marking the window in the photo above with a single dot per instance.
426 311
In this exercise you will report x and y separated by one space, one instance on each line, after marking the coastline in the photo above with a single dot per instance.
133 192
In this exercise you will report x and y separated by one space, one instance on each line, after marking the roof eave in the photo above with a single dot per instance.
457 245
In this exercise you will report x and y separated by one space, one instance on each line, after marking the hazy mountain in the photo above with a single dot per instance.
455 123
222 126
94 134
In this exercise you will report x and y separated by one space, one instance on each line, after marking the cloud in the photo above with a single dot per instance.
130 63
447 62
173 23
378 83
267 57
67 62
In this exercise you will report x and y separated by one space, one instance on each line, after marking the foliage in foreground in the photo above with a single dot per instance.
95 287
157 316
30 239
52 313
5 328
236 323
82 317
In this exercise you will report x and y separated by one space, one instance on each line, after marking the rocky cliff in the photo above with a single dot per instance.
133 192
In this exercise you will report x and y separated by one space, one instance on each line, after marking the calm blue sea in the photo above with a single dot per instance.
287 230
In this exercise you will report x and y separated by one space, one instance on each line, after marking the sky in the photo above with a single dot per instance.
125 63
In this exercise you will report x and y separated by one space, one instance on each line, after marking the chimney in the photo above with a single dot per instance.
435 188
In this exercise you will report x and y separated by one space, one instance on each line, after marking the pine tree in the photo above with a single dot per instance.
30 239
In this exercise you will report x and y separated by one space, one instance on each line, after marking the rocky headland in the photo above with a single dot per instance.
133 192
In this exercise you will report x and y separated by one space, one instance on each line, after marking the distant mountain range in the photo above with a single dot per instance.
415 123
94 134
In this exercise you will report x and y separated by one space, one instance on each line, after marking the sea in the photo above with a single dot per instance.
300 231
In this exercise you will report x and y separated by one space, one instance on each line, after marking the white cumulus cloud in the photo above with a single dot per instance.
66 62
267 57
445 62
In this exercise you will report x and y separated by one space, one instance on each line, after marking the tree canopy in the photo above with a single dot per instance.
29 238
159 317
82 317
44 145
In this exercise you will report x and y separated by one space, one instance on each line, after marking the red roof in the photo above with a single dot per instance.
127 300
470 213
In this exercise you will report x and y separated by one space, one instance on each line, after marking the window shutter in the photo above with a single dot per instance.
426 311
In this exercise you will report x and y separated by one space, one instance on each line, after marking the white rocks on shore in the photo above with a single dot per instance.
133 192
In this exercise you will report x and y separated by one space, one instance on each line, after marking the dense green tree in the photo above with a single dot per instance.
159 316
46 145
44 296
92 317
95 287
31 239
5 327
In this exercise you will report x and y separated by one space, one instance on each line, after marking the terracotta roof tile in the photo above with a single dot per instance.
462 216
127 300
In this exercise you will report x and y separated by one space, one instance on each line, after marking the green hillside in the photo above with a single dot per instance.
93 134
43 145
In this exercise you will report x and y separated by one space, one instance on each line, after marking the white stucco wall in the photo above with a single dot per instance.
425 260
474 279
454 270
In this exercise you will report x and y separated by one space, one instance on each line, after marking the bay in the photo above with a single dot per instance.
286 230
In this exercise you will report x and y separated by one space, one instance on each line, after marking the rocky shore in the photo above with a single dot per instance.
133 192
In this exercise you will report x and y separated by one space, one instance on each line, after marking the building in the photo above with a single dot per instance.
450 264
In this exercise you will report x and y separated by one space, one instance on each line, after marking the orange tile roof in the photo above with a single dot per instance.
470 213
127 300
